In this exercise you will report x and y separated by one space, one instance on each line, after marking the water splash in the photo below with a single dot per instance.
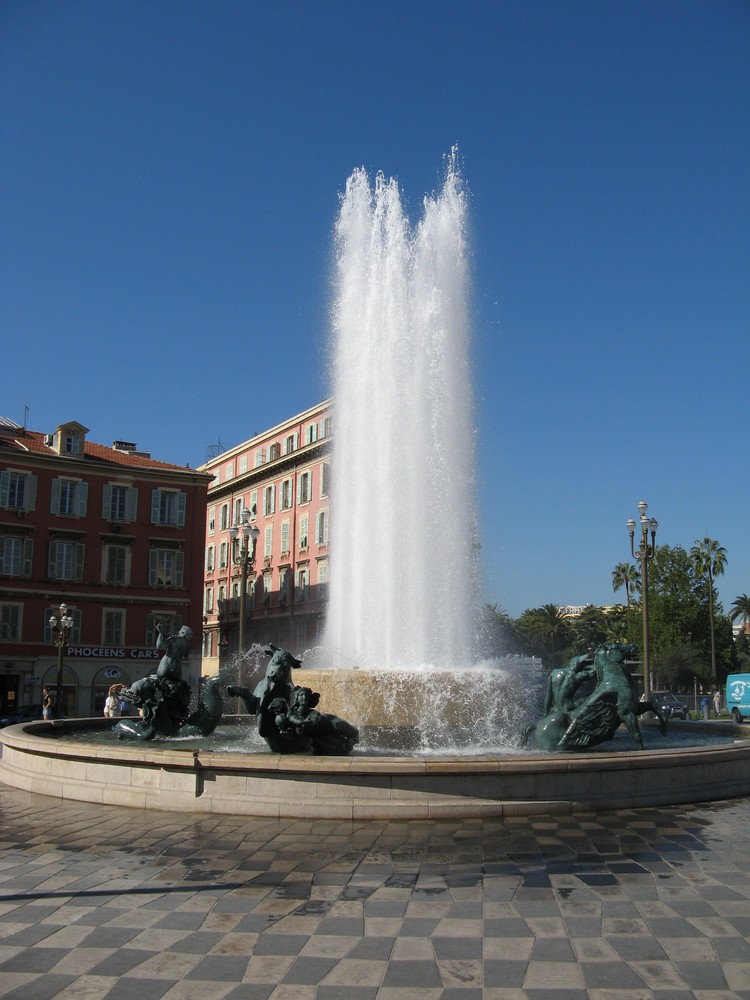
403 522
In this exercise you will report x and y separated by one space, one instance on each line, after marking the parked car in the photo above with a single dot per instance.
24 713
669 704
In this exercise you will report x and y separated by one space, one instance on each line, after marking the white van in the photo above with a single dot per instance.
738 696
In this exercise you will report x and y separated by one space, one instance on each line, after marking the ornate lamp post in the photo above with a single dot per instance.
244 558
60 635
643 553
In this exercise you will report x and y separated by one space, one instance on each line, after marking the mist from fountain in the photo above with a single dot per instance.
403 561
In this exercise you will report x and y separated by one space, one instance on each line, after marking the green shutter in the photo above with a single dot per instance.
106 502
4 488
83 498
132 503
78 560
181 504
179 569
28 555
54 506
155 506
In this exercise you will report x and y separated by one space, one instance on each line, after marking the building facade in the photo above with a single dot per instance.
282 479
115 536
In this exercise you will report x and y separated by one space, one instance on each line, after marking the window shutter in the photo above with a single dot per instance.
153 565
179 569
52 562
54 506
83 498
150 639
28 554
155 506
78 557
181 504
299 488
4 488
31 482
106 502
285 536
132 504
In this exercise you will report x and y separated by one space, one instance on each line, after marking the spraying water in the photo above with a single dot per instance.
403 524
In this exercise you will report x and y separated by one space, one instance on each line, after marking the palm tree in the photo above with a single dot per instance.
741 609
627 576
549 624
709 559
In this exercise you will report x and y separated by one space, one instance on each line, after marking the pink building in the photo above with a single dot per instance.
282 479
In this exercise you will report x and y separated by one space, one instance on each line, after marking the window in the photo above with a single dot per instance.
210 553
290 443
15 556
113 628
284 539
65 560
228 471
211 520
165 568
10 622
253 505
323 581
268 546
223 555
311 434
266 588
207 644
72 443
269 498
116 564
273 451
224 521
326 425
208 601
304 487
170 624
283 586
119 503
237 511
321 527
17 490
285 494
304 523
168 507
69 497
243 464
260 457
325 479
302 591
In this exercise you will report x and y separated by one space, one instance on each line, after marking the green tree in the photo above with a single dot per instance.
741 609
549 626
709 559
626 575
590 629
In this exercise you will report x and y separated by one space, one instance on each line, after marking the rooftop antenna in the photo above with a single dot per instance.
26 412
214 449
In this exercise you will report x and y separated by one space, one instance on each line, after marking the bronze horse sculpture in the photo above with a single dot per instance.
572 722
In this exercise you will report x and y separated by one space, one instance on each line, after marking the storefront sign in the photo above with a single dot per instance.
112 653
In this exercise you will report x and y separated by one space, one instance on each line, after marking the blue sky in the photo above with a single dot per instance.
170 177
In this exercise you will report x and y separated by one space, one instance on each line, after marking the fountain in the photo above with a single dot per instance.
403 594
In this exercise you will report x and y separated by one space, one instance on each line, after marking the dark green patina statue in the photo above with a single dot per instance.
576 722
163 698
286 715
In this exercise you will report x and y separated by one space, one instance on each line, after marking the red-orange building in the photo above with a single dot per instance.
282 478
113 534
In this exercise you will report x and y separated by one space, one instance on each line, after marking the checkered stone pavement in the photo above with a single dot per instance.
103 901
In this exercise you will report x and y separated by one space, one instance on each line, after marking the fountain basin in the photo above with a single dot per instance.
366 788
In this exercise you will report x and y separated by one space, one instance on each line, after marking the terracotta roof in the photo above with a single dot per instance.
21 441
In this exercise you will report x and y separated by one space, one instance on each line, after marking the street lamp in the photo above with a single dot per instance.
245 559
643 553
60 635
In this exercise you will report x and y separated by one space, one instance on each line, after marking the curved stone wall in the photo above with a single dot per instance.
265 784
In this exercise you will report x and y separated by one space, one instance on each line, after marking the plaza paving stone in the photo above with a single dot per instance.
106 901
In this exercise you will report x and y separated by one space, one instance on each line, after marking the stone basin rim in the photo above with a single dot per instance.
361 787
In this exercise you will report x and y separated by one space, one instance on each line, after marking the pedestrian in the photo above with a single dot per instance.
717 703
46 704
112 704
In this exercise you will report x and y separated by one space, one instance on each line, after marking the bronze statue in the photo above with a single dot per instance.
573 722
163 698
285 715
